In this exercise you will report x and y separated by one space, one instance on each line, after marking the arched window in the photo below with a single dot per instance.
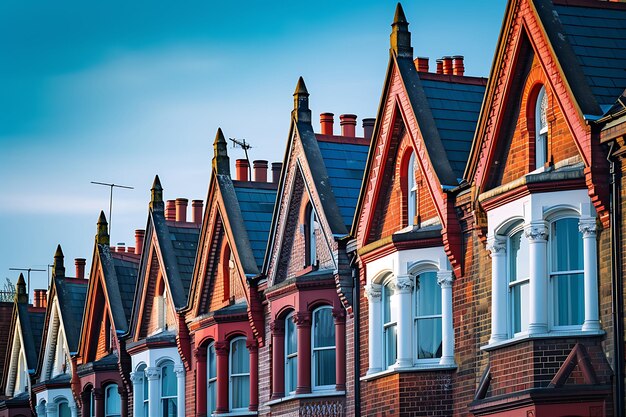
412 191
112 401
64 409
239 375
144 389
518 279
390 326
226 272
291 355
323 349
169 390
566 272
541 129
211 378
309 228
428 316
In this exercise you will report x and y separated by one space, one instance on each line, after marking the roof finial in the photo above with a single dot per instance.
102 231
301 111
221 162
156 195
58 268
20 290
400 38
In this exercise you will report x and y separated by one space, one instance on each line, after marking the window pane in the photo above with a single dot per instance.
291 336
325 367
112 403
568 299
391 341
241 391
429 338
520 295
169 407
212 397
324 331
168 381
212 362
388 315
518 257
240 360
567 246
428 295
291 374
64 410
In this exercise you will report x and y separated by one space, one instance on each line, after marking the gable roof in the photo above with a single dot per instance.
71 294
31 323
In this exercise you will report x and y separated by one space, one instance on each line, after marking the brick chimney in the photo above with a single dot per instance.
368 127
439 66
140 235
130 249
447 65
348 125
181 209
170 210
121 247
260 170
327 121
458 68
40 298
196 211
80 267
421 64
276 168
241 169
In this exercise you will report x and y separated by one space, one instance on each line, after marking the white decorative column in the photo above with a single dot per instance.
41 410
403 291
73 410
52 410
537 234
179 370
496 245
154 375
373 292
137 378
587 227
444 279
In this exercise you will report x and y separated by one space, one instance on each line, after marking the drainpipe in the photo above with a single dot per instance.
616 274
356 308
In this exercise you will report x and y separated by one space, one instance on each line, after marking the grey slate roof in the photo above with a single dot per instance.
126 272
455 108
184 244
32 328
345 164
71 294
257 206
598 38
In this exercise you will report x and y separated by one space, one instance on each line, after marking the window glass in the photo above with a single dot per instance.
168 390
211 378
412 190
566 254
112 402
323 347
428 316
390 337
64 410
519 273
541 126
239 374
291 355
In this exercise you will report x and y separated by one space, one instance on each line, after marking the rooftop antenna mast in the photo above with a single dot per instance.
111 186
241 143
28 279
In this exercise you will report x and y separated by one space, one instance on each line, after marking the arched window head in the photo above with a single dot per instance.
324 376
211 379
239 370
541 129
169 390
291 355
411 191
112 401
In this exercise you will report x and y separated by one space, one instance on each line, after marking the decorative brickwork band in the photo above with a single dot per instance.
323 409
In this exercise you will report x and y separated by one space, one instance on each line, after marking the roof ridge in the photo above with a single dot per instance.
595 4
456 79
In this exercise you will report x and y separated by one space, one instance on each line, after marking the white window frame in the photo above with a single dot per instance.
516 228
416 318
290 356
106 401
411 191
313 226
231 375
388 281
211 380
541 132
314 351
162 365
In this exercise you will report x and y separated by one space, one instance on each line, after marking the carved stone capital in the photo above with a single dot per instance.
404 284
221 348
179 370
339 314
51 408
152 373
200 354
588 227
302 319
136 377
252 346
536 232
278 327
374 292
445 279
496 245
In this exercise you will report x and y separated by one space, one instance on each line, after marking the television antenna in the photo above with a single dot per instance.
241 143
111 186
28 270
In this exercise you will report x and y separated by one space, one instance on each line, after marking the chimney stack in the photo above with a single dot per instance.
181 209
439 66
348 125
458 68
130 249
40 298
368 127
421 64
260 170
447 65
140 234
80 267
170 210
327 121
276 168
241 169
121 247
196 211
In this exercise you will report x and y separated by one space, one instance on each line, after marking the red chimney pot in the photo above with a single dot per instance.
276 168
348 125
241 169
170 210
196 211
140 234
181 209
260 170
327 121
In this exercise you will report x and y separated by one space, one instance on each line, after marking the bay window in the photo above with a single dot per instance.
169 392
64 409
211 379
291 355
323 349
428 316
112 401
239 375
519 275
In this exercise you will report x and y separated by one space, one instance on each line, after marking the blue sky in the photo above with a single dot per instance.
120 91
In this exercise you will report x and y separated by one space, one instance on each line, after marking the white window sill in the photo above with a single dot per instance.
236 413
314 394
426 367
554 334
